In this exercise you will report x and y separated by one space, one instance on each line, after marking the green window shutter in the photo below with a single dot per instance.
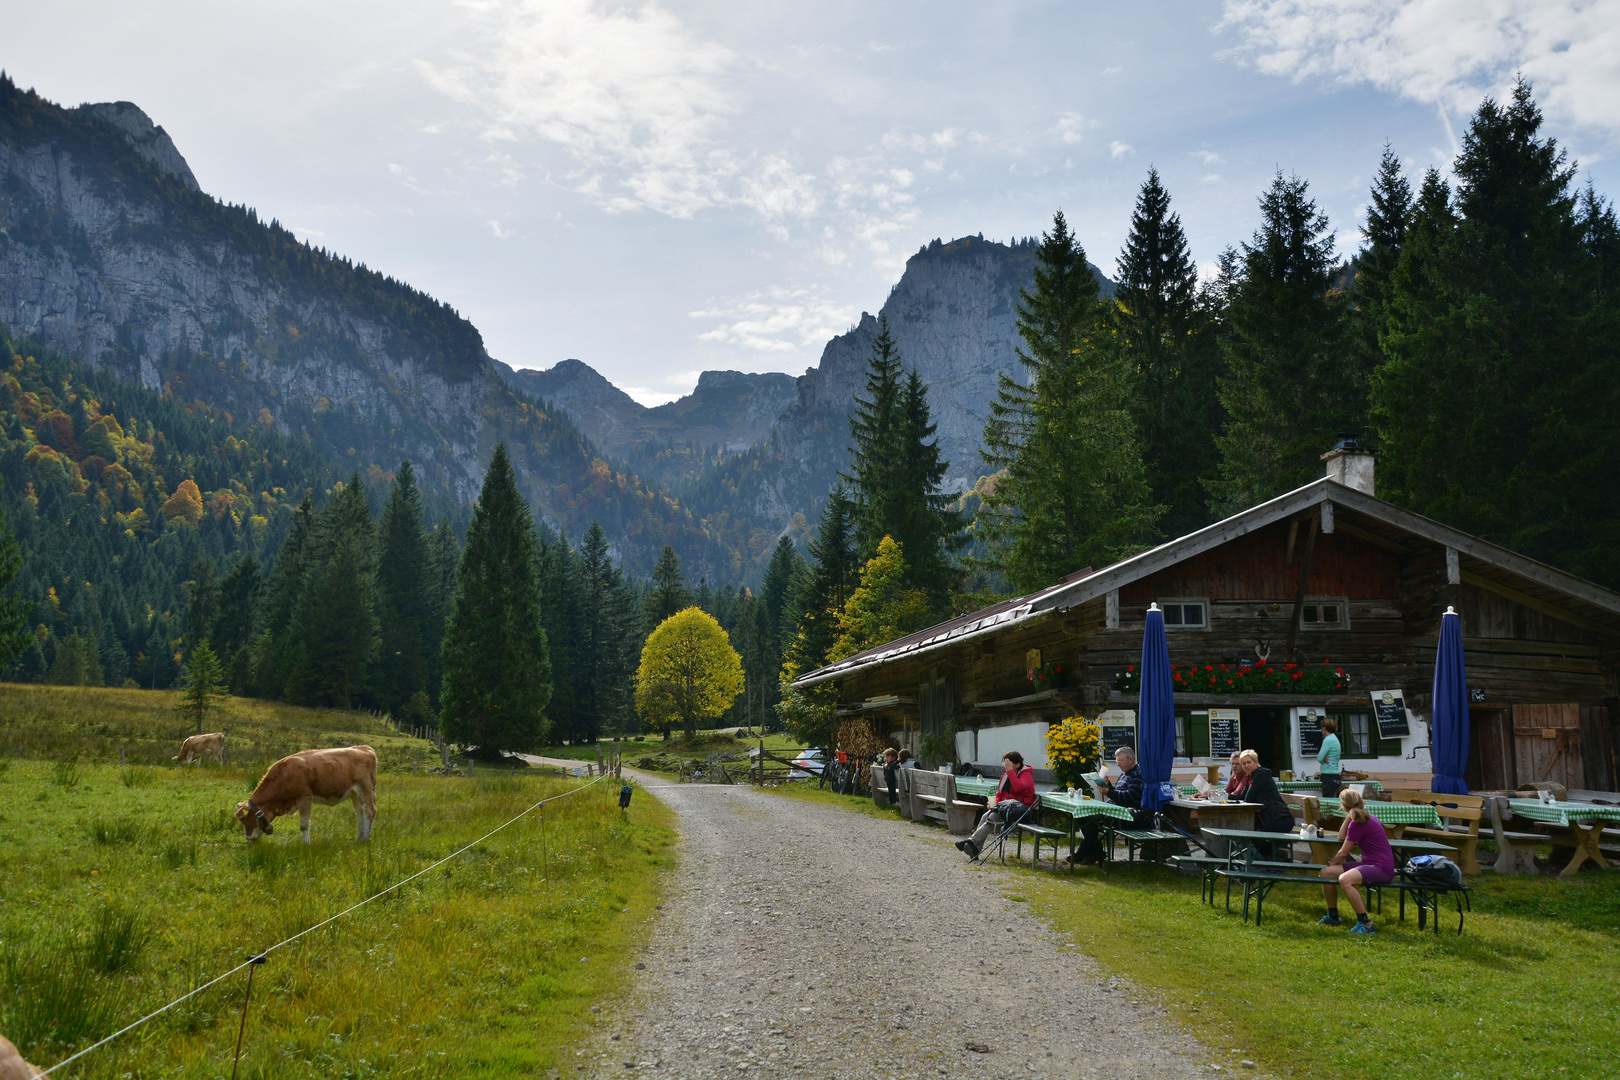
1198 734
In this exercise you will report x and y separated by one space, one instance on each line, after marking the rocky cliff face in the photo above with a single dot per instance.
110 254
728 411
954 316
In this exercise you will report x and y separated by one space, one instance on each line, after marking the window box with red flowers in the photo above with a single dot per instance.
1317 680
1047 677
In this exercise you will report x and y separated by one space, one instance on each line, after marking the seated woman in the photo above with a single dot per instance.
1012 800
1274 814
1375 867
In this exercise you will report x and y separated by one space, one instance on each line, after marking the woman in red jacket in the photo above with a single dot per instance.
1012 799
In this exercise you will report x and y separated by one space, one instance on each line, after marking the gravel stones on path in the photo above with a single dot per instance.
801 940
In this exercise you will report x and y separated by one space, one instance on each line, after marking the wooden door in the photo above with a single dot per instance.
1547 744
1490 750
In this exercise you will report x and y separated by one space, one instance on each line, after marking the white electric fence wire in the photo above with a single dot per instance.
317 926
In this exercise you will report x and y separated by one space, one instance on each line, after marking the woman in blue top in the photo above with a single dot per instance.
1328 757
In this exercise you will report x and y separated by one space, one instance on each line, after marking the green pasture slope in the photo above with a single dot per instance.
122 888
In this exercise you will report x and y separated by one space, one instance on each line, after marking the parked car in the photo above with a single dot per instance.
806 765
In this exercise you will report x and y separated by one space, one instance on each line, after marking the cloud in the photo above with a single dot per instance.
638 101
776 321
1112 70
1208 157
496 230
1071 125
1119 151
1446 53
646 395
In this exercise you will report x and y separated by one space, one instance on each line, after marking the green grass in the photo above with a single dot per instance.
68 724
1528 991
1521 994
666 756
121 888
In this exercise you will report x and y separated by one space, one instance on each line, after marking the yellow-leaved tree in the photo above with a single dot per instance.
882 608
689 672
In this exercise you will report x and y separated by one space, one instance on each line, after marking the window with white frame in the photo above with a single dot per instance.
1325 613
1185 613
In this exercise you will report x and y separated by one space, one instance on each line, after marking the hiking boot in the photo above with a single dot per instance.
1330 919
1363 928
968 848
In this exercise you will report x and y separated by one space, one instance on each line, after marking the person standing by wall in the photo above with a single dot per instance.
1328 758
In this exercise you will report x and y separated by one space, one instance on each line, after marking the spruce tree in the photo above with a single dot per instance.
570 718
15 639
1173 356
824 589
609 636
202 683
668 592
1070 488
404 601
1500 382
874 433
1295 381
444 554
335 621
277 650
497 668
1388 216
239 595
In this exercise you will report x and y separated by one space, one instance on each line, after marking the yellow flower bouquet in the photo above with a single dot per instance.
1073 748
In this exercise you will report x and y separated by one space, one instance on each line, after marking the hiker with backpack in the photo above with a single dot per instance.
1343 874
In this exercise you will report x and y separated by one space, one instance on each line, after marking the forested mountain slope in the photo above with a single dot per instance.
111 255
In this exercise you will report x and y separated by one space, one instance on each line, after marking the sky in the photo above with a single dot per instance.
664 188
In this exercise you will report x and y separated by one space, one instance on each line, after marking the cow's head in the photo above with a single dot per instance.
253 820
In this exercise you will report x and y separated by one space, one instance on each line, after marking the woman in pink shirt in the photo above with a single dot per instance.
1375 867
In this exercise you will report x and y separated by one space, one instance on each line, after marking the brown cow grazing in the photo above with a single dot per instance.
12 1065
197 747
314 776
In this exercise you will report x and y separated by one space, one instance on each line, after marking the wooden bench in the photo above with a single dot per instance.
933 797
1037 832
1257 884
1135 838
1515 851
1460 815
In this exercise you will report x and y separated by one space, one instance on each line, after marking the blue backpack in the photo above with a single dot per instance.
1436 870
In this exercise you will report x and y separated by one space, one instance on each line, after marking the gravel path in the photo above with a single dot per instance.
936 975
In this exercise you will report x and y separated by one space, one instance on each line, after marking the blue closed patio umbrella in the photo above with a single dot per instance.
1448 721
1156 715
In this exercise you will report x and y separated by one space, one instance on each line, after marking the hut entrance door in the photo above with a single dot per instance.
1490 750
1265 731
1547 744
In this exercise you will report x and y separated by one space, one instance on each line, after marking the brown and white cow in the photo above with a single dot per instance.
197 747
300 780
12 1065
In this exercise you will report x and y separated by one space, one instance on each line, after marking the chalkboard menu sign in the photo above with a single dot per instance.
1310 732
1225 733
1118 729
1390 707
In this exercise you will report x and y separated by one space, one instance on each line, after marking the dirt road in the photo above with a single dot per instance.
931 972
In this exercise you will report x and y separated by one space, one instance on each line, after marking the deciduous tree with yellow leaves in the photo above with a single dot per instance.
689 672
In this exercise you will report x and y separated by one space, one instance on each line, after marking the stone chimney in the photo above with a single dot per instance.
1351 464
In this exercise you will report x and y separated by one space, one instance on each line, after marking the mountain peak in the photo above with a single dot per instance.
149 140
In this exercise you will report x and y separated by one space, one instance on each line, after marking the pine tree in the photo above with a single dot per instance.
202 682
1070 489
233 629
1173 357
444 555
15 638
833 573
668 592
403 596
202 601
1295 381
1500 382
277 650
609 638
895 472
335 621
570 718
1385 233
497 668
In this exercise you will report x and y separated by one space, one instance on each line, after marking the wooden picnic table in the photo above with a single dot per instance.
977 786
1393 816
1243 842
1582 822
1204 814
1079 807
1323 848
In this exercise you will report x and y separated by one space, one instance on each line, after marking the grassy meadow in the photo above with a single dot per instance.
123 887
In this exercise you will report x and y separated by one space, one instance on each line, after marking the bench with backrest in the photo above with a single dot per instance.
1459 815
933 796
1515 851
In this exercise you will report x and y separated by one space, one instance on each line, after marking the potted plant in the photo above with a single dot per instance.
1073 748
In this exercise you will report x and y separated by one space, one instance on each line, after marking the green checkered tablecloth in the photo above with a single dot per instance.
1084 807
1562 813
1298 787
1391 813
976 785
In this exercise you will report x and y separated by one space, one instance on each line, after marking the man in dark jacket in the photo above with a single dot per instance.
1127 791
